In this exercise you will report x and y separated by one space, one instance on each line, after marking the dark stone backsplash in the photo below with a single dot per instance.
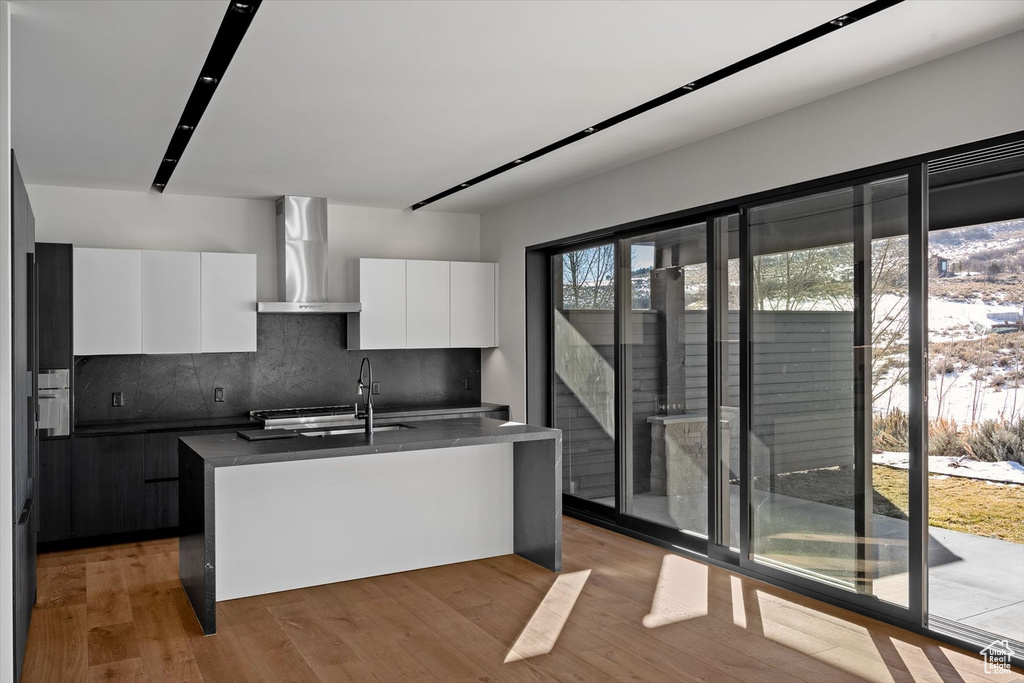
301 361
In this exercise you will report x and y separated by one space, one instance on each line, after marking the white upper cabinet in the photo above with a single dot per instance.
382 294
474 311
128 301
428 323
228 302
171 303
424 305
107 289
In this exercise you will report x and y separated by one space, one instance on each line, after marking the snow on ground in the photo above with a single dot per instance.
957 397
1005 472
952 320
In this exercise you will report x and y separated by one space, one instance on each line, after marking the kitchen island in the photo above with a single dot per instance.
265 516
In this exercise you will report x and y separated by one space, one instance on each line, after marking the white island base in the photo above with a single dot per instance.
285 525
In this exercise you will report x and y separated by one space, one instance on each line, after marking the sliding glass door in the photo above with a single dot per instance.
827 333
583 330
665 372
770 381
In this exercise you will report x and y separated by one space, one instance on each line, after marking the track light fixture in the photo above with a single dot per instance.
785 46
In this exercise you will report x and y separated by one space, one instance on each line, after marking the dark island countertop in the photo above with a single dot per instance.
226 450
245 422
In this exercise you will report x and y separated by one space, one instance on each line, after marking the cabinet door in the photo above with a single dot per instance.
107 292
229 302
381 322
107 485
160 473
428 322
171 302
54 490
473 307
53 265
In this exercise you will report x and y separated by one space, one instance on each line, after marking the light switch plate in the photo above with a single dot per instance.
218 394
117 399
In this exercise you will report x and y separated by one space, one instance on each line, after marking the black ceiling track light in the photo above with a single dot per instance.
232 29
746 63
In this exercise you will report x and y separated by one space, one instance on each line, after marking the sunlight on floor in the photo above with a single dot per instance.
739 612
681 593
542 631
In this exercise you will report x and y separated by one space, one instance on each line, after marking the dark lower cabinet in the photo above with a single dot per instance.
161 476
161 510
100 485
54 490
107 485
161 454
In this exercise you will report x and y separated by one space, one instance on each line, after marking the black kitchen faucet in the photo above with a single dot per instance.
365 390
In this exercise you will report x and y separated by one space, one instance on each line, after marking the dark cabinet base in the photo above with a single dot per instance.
54 490
107 486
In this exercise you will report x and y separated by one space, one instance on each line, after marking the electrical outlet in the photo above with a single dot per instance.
375 388
117 399
467 384
218 394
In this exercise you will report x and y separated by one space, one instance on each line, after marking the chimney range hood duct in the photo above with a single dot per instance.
302 259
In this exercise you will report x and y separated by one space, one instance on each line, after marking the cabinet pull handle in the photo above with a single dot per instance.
25 512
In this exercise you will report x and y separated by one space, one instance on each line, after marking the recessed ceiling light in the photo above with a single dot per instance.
689 86
465 184
840 21
518 161
589 130
238 16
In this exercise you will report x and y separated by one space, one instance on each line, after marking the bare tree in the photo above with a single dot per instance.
588 277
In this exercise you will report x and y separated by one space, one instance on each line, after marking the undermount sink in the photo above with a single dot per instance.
355 430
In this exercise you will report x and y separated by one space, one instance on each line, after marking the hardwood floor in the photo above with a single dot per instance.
641 614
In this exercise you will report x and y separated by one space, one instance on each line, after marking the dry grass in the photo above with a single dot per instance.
1003 289
966 505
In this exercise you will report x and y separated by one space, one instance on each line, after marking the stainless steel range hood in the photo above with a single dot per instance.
302 259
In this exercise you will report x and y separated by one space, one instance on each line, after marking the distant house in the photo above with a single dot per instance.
940 265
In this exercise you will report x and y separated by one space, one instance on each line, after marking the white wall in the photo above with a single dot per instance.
967 96
6 414
358 232
147 220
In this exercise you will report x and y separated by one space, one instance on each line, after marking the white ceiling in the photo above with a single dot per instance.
386 103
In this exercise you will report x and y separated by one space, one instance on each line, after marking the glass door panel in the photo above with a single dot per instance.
827 371
584 370
726 328
665 366
976 425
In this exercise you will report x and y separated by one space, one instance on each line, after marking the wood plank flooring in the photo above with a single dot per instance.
119 613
